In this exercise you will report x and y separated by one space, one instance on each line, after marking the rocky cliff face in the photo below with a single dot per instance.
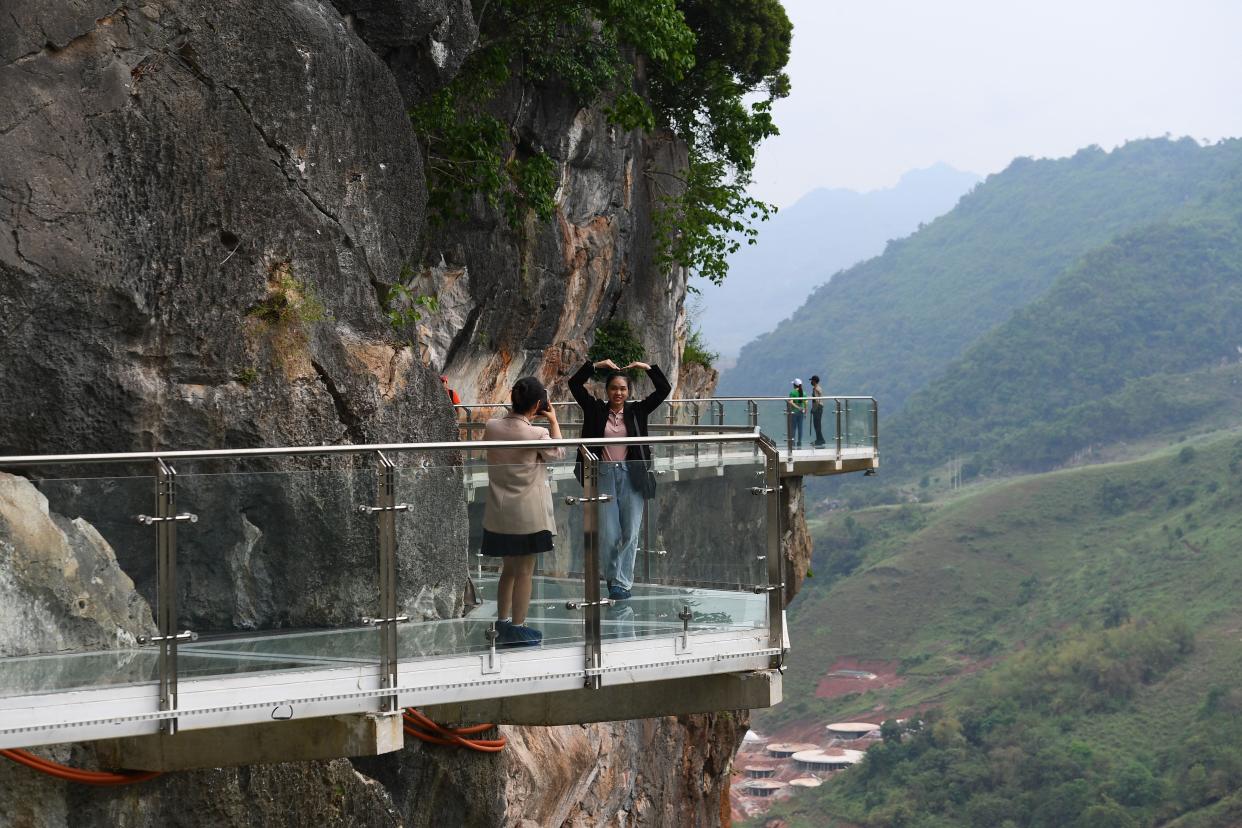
515 303
200 206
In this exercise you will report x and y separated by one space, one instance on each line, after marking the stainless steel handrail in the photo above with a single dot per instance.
690 428
469 406
302 451
743 399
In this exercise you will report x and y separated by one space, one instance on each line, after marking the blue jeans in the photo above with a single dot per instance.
621 520
795 425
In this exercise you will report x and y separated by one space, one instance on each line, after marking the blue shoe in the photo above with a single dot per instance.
617 593
519 635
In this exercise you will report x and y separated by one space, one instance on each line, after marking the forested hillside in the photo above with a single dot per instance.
1067 371
890 325
1065 647
800 247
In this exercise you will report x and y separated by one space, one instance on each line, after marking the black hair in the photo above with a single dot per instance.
612 375
815 378
526 393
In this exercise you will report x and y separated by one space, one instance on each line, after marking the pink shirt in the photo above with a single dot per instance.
615 427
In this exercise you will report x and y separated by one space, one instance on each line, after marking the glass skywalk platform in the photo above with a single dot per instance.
231 681
849 427
356 522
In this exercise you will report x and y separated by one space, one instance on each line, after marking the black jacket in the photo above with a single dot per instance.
595 417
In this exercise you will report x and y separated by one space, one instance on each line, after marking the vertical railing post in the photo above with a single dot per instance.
387 621
837 406
752 419
647 530
847 443
720 421
669 419
775 588
695 419
166 587
789 428
875 427
591 549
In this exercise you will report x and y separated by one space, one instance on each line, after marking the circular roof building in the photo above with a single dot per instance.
760 771
806 782
827 760
783 750
852 730
762 787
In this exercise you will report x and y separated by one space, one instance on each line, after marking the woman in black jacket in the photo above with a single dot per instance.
623 470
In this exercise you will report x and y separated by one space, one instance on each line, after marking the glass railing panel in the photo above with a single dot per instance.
857 419
776 425
279 571
823 438
557 575
471 422
701 552
73 544
568 412
736 412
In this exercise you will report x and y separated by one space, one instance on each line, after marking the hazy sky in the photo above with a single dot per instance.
884 86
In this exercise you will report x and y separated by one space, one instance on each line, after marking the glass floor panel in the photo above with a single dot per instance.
652 611
45 674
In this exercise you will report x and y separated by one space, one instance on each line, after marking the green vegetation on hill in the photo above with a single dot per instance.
1164 299
1009 755
1071 638
890 325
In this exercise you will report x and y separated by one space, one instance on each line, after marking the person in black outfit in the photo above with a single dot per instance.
623 469
817 412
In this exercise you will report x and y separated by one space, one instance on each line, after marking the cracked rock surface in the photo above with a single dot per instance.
200 203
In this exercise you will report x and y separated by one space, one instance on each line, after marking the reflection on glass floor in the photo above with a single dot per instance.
654 610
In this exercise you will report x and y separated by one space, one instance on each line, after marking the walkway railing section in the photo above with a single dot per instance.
306 578
847 424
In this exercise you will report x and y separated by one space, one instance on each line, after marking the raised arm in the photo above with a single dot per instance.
662 389
553 433
577 384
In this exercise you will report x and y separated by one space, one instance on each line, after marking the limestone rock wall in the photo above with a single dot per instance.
200 206
522 302
696 382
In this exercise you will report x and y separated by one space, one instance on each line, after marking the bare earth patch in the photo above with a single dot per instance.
853 676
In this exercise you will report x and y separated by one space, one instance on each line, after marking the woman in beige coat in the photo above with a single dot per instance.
518 523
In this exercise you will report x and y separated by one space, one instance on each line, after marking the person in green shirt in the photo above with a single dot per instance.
797 407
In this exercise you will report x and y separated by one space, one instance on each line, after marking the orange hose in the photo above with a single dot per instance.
82 777
414 723
421 727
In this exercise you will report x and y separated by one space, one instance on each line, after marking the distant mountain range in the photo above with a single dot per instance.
801 247
892 325
1067 312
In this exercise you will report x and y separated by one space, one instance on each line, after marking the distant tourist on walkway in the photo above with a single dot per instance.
623 470
817 412
797 407
518 523
456 400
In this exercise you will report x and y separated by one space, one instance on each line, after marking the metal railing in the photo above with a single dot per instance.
384 483
853 422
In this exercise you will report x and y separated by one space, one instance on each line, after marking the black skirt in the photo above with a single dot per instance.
497 545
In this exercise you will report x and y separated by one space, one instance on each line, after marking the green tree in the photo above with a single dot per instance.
890 731
1115 611
711 73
